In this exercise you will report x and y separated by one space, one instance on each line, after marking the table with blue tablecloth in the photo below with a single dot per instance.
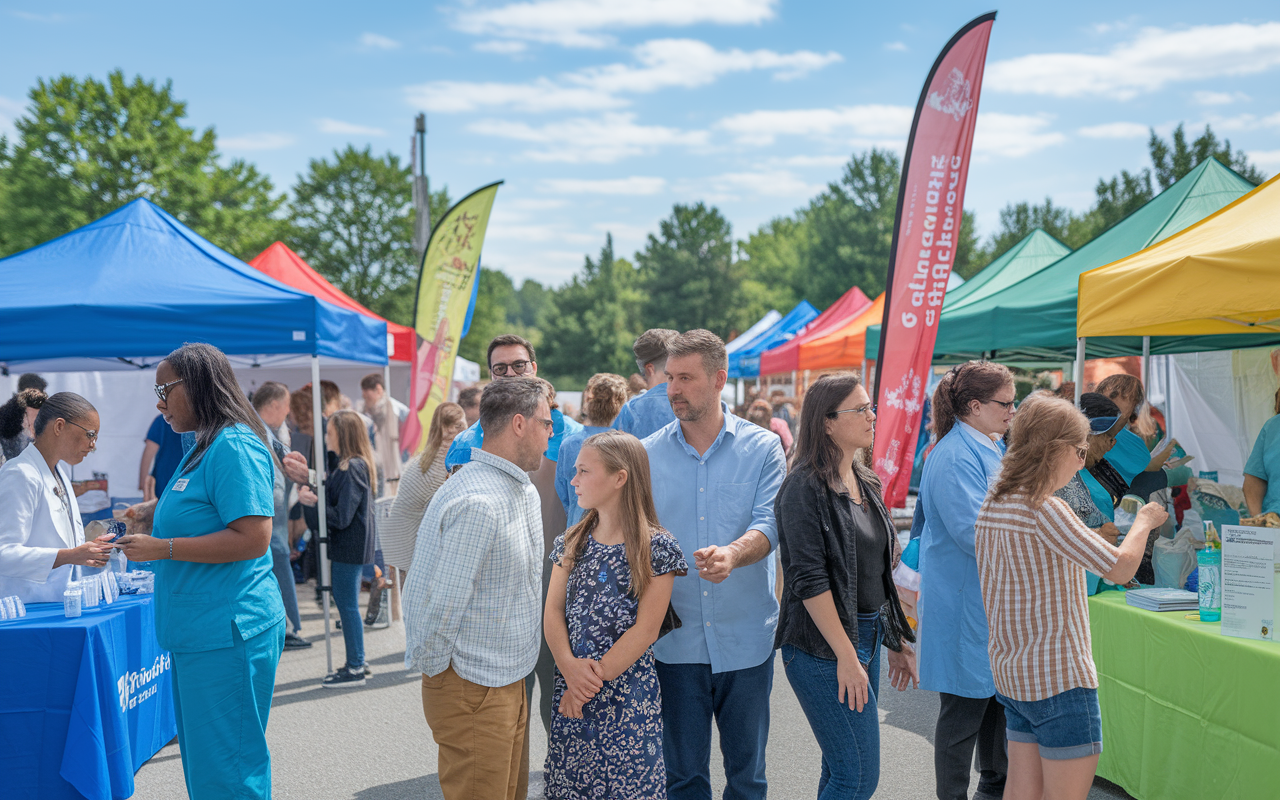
84 702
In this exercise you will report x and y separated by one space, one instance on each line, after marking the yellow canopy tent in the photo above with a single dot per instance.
1218 277
845 347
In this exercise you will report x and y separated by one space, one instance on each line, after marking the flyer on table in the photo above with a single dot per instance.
1248 581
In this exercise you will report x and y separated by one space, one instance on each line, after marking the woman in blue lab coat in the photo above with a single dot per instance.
218 608
972 409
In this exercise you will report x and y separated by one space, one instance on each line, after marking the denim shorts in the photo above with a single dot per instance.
1065 726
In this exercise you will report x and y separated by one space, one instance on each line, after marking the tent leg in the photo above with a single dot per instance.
1146 360
386 378
1079 376
864 372
318 459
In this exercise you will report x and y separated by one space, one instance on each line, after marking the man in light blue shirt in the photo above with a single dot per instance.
715 478
644 414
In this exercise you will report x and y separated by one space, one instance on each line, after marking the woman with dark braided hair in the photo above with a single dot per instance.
218 606
972 409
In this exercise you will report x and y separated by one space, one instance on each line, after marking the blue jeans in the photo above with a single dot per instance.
282 568
1065 726
346 596
849 740
739 701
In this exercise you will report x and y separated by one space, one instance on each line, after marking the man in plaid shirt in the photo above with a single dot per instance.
473 599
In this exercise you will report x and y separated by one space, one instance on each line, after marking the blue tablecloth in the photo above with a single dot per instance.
83 702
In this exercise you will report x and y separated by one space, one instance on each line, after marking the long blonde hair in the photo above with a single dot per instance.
619 451
353 442
1043 429
445 415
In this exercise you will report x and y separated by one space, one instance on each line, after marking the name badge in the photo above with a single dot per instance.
180 484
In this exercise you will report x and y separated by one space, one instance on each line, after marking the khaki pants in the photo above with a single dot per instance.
482 734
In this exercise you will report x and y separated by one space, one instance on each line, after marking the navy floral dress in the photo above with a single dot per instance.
615 750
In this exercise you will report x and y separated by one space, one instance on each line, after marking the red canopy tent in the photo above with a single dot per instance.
286 266
786 358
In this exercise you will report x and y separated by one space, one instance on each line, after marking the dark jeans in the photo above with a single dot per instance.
739 702
849 740
283 570
346 596
964 722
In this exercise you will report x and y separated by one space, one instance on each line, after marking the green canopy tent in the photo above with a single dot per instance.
1033 321
1036 251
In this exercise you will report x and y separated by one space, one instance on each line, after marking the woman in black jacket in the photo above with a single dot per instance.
839 602
349 501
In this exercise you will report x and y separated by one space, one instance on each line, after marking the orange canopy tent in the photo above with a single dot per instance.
844 347
786 357
286 266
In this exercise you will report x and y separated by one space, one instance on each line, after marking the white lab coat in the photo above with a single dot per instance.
34 526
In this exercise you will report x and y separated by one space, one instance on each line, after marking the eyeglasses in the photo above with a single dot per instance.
859 410
1083 452
1007 406
550 425
514 368
162 390
88 434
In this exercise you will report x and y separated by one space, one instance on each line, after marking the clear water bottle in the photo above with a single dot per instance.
1209 561
71 599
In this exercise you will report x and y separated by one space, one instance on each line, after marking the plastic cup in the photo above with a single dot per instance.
71 600
90 592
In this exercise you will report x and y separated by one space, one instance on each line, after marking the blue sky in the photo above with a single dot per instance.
599 114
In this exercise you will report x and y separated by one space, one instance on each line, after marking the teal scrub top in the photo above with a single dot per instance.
1130 456
1264 463
198 604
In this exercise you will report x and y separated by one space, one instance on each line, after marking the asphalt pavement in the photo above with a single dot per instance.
372 743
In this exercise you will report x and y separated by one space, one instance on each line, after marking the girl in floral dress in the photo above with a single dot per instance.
610 589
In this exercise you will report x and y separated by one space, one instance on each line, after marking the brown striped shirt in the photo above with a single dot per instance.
1031 562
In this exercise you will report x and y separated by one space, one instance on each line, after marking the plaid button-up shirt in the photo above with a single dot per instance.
474 592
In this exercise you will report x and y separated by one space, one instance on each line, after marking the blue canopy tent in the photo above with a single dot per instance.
745 363
754 332
127 289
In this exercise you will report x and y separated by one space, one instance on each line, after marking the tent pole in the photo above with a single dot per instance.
1079 376
864 371
795 383
318 459
1146 360
386 377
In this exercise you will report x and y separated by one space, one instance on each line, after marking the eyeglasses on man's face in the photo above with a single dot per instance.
162 389
514 368
548 423
862 409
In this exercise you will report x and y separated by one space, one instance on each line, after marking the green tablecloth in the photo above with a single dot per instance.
1186 711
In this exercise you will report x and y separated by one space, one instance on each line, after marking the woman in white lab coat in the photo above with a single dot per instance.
41 534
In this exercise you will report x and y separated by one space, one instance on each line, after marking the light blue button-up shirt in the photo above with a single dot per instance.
646 414
715 498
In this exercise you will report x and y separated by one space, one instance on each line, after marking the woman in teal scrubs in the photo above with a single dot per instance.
218 608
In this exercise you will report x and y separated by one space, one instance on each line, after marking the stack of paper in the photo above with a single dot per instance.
1163 599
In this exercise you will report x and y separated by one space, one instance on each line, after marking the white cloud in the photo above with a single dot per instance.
327 125
582 23
1242 122
1152 59
378 42
502 47
1115 130
896 47
1205 98
256 141
634 185
802 162
596 140
659 64
534 203
1012 135
51 19
1267 159
764 183
875 122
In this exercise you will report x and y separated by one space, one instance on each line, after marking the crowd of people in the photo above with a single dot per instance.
626 563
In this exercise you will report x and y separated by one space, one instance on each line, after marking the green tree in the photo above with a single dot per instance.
768 262
85 148
592 321
531 302
352 220
1174 160
687 272
494 297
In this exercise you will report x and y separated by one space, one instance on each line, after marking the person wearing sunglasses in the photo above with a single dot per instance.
218 606
972 409
41 533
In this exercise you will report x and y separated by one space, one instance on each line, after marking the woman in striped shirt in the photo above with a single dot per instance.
1032 555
